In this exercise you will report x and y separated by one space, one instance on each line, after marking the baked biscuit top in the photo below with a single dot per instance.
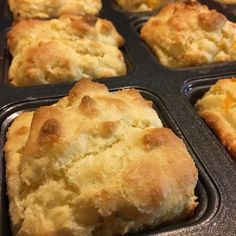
53 8
217 108
139 5
187 34
143 5
64 49
96 163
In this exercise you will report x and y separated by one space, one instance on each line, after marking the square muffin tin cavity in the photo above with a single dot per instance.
173 92
206 192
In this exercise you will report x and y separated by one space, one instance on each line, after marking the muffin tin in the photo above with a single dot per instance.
173 92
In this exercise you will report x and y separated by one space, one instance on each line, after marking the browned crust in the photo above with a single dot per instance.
187 34
140 5
96 162
222 129
216 107
64 49
46 9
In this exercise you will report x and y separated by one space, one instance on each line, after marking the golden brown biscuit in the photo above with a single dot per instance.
139 5
217 108
64 49
188 34
96 163
143 5
45 9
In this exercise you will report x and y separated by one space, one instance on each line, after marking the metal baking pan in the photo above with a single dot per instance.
173 92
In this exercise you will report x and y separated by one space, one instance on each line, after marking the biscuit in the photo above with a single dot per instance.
139 5
64 49
143 5
96 163
217 108
45 9
187 34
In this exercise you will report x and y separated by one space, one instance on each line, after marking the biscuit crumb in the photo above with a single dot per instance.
185 34
94 175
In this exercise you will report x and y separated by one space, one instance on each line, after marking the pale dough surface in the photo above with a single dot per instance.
65 49
188 34
143 5
45 9
218 108
96 163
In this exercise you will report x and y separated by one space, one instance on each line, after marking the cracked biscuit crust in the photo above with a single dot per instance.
45 9
64 49
96 163
217 107
189 34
